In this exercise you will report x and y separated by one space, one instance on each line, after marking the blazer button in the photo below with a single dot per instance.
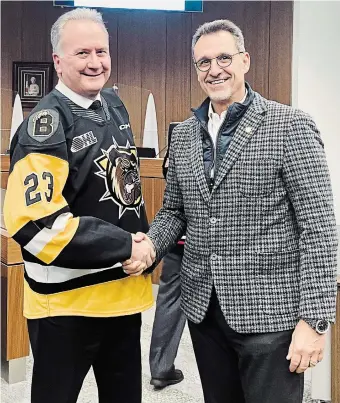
213 220
213 256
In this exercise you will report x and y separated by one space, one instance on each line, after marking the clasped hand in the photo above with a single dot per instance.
142 255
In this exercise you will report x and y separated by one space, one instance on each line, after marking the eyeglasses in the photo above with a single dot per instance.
223 61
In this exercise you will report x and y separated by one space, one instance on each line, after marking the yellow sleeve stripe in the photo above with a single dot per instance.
55 246
31 201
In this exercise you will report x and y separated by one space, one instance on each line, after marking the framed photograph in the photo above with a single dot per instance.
32 81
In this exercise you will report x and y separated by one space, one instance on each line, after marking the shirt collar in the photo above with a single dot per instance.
211 110
76 98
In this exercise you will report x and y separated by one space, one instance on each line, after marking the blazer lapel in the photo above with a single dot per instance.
244 132
197 164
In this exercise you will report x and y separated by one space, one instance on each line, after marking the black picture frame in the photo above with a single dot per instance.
32 81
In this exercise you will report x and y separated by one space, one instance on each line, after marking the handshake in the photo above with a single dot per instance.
143 255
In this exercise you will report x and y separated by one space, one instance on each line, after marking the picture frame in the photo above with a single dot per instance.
32 81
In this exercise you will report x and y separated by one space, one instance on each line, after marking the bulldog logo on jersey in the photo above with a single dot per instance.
118 166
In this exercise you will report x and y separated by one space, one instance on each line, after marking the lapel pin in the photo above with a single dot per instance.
248 130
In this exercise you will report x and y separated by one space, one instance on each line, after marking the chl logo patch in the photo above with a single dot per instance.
83 141
43 124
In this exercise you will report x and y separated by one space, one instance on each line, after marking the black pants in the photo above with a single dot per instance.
243 368
64 349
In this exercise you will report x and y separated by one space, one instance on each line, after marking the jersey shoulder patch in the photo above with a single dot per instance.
43 124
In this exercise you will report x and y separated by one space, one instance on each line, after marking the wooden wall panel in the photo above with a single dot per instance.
153 185
164 39
147 189
111 21
154 68
11 43
130 45
10 250
178 67
3 180
3 311
153 191
34 33
280 51
256 33
51 15
15 343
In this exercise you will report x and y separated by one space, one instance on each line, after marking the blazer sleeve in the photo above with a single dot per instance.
307 180
170 223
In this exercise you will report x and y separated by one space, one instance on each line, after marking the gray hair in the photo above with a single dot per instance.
77 14
216 26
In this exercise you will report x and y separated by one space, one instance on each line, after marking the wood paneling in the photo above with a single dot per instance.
11 44
4 179
178 67
335 371
4 161
111 21
280 51
5 134
152 51
153 191
10 250
33 24
14 335
14 332
256 33
151 167
130 44
13 325
154 68
51 15
153 185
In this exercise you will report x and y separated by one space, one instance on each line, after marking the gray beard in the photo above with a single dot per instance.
220 96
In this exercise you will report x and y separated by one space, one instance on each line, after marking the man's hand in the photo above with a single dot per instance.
140 236
142 255
306 348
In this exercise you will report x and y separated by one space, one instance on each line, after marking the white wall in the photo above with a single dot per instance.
316 75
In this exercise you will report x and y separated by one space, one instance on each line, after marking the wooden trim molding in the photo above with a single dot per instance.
10 250
4 162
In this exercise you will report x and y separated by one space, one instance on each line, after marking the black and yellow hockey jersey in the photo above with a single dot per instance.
73 198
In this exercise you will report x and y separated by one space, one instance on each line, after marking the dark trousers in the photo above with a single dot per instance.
169 319
64 349
243 368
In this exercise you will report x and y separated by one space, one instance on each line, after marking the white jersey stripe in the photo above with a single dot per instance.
39 241
55 274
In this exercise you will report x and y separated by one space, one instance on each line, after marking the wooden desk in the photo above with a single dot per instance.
14 334
153 185
335 354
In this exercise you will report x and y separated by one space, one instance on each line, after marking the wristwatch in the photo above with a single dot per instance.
321 326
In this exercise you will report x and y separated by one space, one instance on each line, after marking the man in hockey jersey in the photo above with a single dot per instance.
73 201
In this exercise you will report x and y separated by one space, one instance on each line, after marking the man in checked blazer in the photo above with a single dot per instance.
248 182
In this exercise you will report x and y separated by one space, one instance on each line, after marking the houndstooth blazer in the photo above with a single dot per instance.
265 236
